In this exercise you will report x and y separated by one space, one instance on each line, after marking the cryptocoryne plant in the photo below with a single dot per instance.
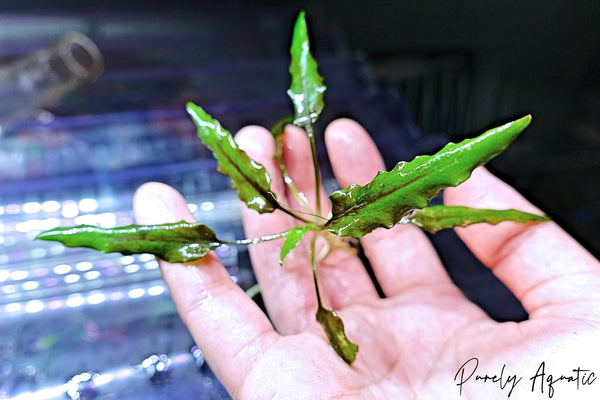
399 196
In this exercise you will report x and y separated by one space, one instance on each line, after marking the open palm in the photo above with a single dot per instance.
420 341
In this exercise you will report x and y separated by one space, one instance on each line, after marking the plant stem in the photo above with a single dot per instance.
292 213
313 260
288 180
253 290
313 149
245 242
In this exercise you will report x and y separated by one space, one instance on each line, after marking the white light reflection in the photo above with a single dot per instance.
101 379
22 227
192 207
96 298
49 223
50 206
75 300
3 275
146 257
69 209
136 293
106 220
32 207
62 269
56 392
151 265
87 219
121 374
71 278
90 275
36 225
30 285
127 260
207 206
84 266
12 307
88 205
34 306
156 290
131 268
18 275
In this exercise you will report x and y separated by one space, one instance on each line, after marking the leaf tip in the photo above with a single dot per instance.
44 235
189 106
526 120
301 19
193 110
520 124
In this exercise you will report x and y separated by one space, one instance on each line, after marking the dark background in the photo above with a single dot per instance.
505 59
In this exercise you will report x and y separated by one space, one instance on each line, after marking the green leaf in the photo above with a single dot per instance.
250 178
292 238
334 328
306 89
178 242
278 129
436 218
358 210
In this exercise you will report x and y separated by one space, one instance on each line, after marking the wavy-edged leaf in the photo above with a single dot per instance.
358 210
250 178
174 242
436 218
307 88
334 328
292 238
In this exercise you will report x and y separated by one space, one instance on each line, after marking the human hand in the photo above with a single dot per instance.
415 342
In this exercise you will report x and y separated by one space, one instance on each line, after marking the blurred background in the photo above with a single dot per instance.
92 106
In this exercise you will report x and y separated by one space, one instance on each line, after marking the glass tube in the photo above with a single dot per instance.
39 79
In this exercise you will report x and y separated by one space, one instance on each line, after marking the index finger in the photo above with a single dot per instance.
228 326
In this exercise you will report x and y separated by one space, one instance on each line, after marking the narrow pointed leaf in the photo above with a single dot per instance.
358 210
250 179
277 131
292 239
306 89
177 242
436 218
334 328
